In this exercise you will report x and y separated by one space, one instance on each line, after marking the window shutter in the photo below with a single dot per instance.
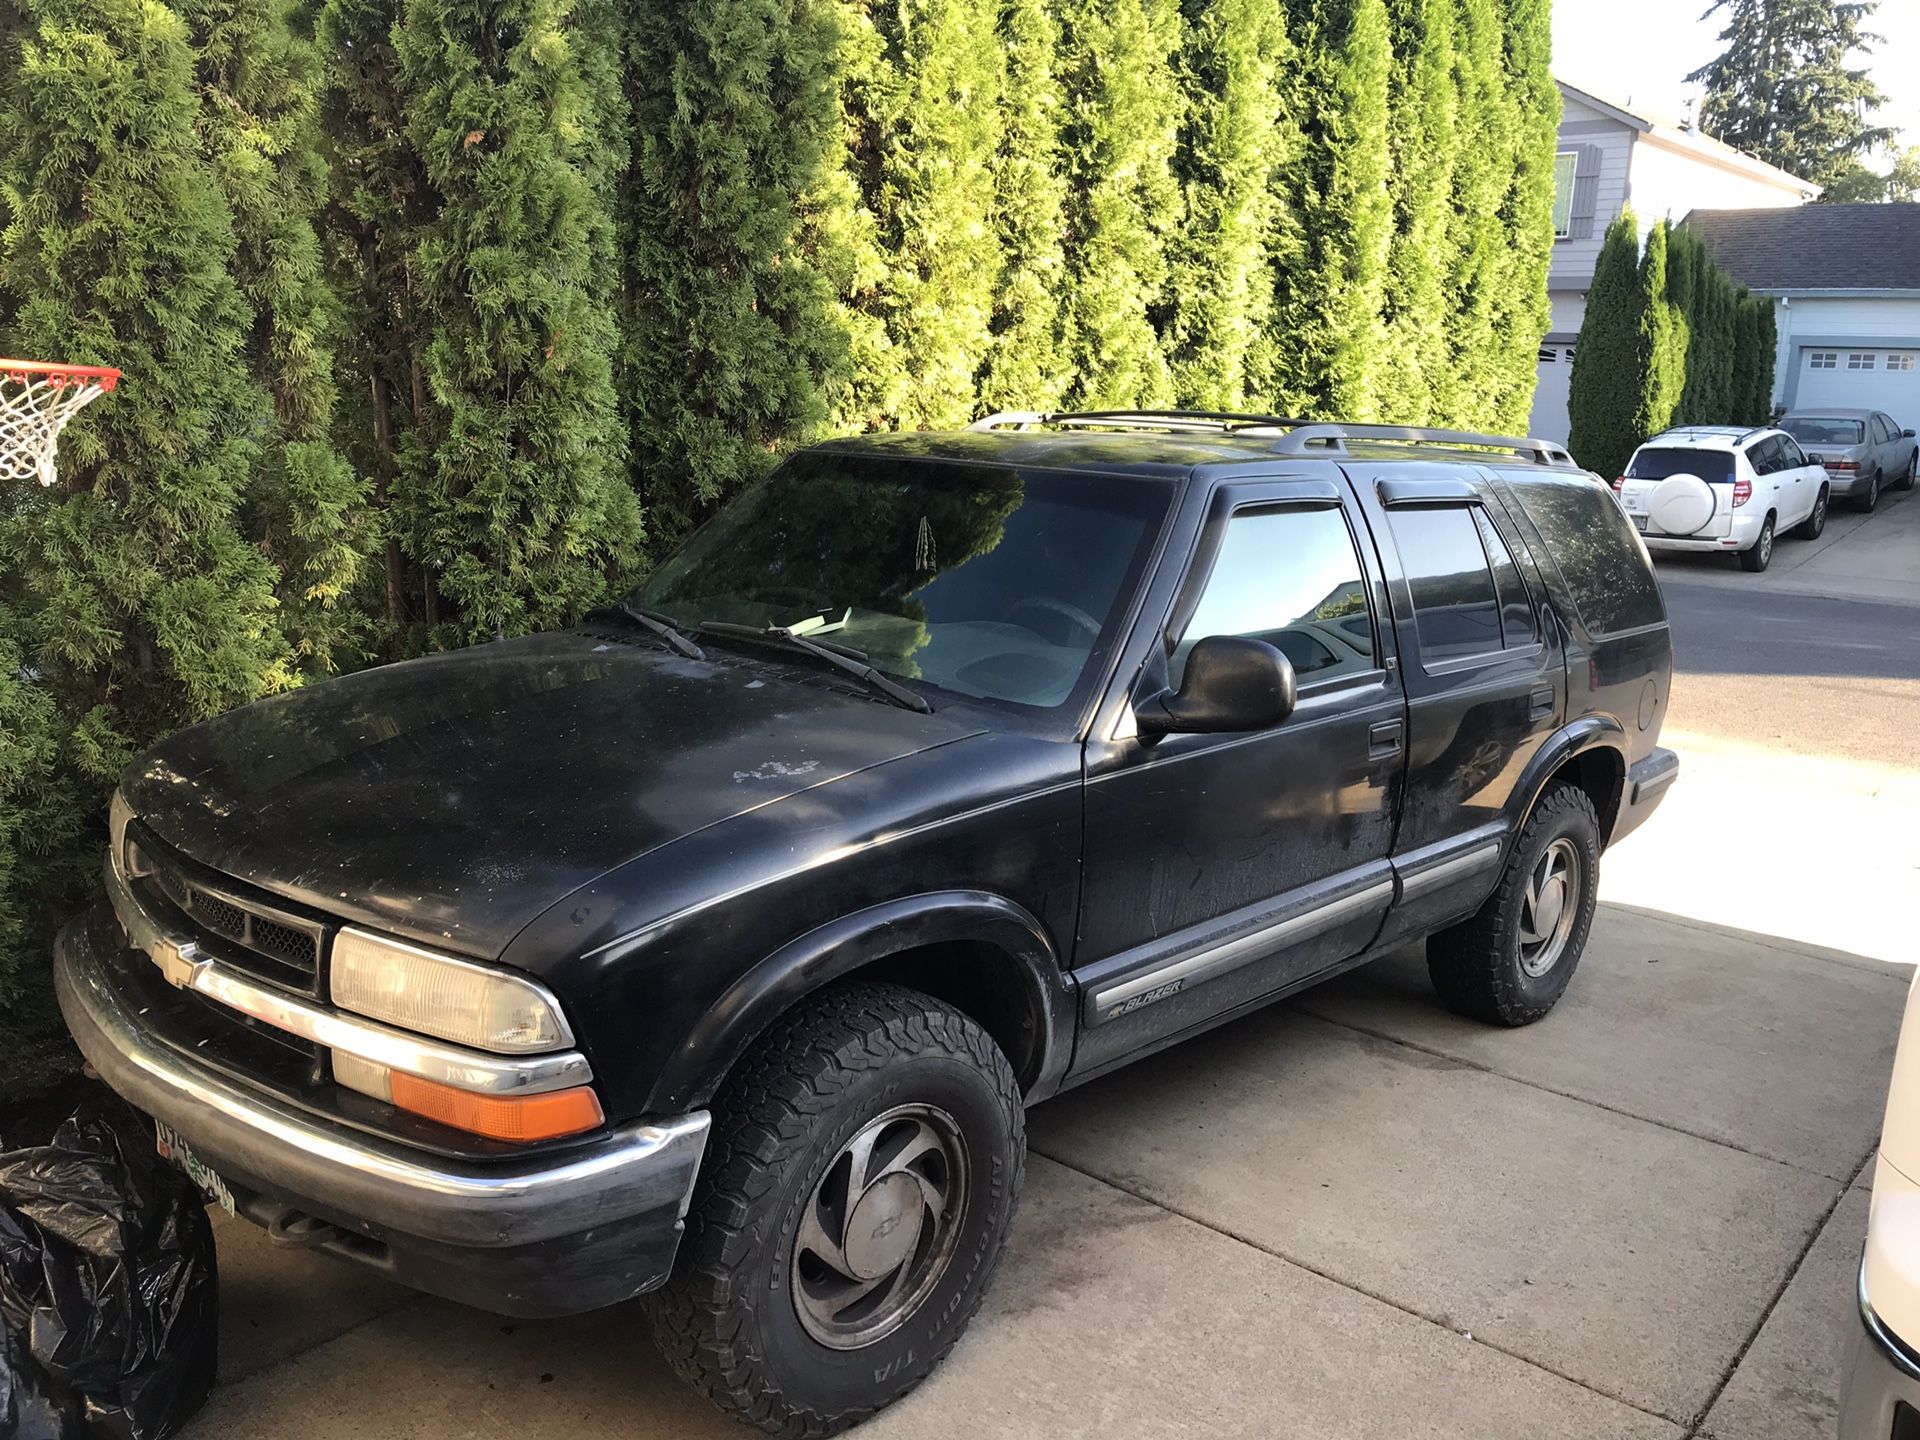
1586 191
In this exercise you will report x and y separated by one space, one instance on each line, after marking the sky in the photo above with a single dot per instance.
1640 52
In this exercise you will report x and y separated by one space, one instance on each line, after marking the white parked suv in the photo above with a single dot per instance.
1882 1398
1724 489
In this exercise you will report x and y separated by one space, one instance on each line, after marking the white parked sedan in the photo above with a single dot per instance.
1882 1399
1724 489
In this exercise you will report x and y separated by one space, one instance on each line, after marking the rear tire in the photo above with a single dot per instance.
1757 556
1510 963
1869 502
1810 528
873 1125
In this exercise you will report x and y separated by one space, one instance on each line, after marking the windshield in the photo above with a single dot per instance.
1816 430
1658 463
990 583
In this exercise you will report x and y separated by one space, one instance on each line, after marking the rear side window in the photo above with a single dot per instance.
1455 606
1593 544
1767 457
1658 462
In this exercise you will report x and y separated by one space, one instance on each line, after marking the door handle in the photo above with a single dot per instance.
1384 739
1540 702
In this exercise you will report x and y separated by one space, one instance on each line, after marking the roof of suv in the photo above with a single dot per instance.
1170 443
1707 437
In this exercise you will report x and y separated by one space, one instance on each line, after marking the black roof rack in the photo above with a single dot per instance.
1292 436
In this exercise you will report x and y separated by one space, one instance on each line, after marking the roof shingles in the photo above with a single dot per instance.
1816 247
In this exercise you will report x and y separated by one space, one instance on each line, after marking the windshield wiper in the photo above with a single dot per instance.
841 657
651 623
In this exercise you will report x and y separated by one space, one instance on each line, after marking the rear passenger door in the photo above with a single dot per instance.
1484 677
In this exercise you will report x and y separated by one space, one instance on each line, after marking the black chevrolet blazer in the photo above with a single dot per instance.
713 947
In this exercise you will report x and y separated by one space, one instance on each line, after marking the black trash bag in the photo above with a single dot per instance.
109 1299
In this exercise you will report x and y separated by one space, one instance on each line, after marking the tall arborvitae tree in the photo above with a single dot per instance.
1604 392
1117 141
525 510
1423 136
1662 364
130 600
1686 290
1237 137
1767 323
260 122
1521 311
928 136
1332 293
1477 243
380 204
736 226
1025 367
1786 88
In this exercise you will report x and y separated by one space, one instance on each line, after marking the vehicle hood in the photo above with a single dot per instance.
453 799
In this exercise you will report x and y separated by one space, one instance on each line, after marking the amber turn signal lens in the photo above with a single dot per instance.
519 1118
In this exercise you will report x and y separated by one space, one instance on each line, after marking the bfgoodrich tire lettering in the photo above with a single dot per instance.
1480 967
729 1321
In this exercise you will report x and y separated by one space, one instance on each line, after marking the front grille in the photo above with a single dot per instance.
259 937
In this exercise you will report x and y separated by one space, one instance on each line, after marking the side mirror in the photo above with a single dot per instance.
1906 434
1232 683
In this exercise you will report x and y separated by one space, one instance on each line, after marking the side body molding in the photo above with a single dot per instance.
842 946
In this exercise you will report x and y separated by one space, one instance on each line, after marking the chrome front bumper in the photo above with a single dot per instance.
1882 1375
431 1220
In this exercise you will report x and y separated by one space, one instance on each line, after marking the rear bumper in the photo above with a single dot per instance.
1882 1374
553 1233
1847 482
1743 531
1647 784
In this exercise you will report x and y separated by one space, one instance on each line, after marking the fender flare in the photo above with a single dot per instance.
839 948
1582 737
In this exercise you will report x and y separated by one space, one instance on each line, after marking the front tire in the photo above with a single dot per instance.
1905 482
865 1165
1512 961
1810 528
1757 556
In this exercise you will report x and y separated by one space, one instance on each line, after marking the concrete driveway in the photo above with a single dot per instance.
1355 1215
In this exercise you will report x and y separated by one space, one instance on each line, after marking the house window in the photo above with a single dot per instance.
1861 360
1823 360
1549 355
1900 360
1564 166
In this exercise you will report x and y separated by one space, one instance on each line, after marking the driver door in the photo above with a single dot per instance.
1221 868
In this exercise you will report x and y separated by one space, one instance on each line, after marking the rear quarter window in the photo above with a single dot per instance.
1593 545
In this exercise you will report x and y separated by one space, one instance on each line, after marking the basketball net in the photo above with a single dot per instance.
36 402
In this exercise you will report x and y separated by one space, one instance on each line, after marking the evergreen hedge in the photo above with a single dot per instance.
440 318
1668 339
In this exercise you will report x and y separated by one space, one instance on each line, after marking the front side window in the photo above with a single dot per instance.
1565 166
1792 457
1516 611
993 584
1456 609
1290 577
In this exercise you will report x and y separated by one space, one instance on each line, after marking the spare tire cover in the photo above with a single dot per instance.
1681 505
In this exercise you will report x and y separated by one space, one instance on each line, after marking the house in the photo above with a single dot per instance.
1846 286
1611 156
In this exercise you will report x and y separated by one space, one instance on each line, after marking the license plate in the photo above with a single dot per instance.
172 1147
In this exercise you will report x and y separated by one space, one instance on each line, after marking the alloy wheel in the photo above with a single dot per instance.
1766 544
1549 908
879 1228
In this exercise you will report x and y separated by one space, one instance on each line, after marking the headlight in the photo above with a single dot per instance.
118 814
433 994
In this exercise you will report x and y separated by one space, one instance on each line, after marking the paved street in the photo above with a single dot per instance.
1358 1216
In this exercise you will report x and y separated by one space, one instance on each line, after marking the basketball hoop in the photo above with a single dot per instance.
36 402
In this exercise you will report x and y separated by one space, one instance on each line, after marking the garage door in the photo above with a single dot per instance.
1886 380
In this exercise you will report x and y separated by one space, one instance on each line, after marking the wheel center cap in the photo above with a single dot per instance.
884 1226
1546 913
